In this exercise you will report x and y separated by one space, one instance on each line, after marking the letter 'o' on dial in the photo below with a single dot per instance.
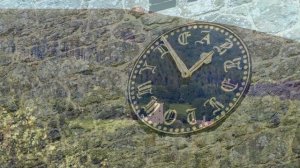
190 78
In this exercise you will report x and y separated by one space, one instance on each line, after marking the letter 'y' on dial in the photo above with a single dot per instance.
180 65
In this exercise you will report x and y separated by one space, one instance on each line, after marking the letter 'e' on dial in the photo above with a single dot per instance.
190 78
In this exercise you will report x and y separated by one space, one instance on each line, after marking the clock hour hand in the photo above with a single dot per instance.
180 65
205 59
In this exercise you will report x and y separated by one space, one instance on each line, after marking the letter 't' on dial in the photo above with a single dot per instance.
190 78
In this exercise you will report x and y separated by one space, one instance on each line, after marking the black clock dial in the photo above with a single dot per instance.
190 78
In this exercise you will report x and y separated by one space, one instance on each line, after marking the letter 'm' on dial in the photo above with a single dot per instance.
152 106
189 78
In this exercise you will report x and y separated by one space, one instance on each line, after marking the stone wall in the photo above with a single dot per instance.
276 17
63 96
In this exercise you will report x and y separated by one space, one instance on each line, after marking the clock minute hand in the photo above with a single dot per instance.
180 65
205 59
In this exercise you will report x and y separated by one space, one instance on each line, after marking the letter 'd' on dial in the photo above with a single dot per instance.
189 78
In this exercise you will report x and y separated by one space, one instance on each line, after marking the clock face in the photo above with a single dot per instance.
190 78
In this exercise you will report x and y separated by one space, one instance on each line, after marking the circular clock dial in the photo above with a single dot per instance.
190 78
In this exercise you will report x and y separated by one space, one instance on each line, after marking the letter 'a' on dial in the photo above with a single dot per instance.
190 78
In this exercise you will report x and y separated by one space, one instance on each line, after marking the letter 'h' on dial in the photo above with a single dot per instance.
190 78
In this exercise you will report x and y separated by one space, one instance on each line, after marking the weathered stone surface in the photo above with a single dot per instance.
63 96
54 135
232 20
285 90
104 4
238 11
275 16
279 16
296 142
129 32
156 19
291 50
1 137
116 53
286 68
238 2
292 33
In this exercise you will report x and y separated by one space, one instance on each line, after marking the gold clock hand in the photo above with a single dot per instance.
180 65
204 59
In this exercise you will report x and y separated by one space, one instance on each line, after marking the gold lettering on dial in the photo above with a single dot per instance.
170 116
152 106
144 89
182 38
162 49
191 116
227 86
205 39
235 63
224 47
147 67
215 104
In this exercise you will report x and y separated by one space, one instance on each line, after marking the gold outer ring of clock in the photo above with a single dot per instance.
230 109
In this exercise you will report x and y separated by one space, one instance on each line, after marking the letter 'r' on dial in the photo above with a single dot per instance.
190 78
